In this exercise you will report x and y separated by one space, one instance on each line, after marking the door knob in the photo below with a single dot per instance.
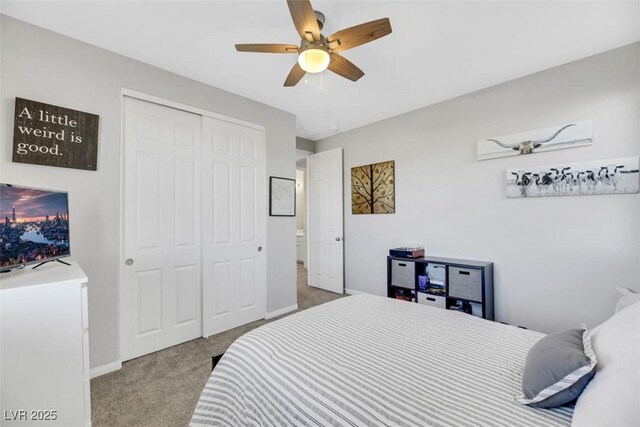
129 261
259 248
338 239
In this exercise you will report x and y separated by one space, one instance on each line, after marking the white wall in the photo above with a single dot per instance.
557 260
48 67
300 211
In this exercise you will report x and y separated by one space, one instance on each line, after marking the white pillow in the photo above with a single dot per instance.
627 297
612 396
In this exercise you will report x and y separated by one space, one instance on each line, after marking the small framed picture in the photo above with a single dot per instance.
282 196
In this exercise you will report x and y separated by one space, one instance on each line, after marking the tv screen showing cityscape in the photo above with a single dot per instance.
34 225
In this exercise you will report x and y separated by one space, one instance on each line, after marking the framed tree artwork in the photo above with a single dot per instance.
282 196
373 189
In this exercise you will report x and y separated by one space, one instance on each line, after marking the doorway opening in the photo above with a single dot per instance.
301 212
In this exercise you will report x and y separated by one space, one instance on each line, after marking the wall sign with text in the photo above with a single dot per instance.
48 135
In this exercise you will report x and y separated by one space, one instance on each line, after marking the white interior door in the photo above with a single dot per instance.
233 225
325 229
161 300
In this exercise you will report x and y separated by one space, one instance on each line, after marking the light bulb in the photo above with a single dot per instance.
314 60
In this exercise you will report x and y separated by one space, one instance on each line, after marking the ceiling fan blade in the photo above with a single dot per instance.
267 48
345 68
359 34
294 76
304 19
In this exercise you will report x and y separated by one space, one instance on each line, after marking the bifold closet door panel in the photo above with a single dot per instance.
161 299
233 225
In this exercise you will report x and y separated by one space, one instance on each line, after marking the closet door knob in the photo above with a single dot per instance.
338 239
259 248
129 261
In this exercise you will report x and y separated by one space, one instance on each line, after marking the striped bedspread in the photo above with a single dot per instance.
372 361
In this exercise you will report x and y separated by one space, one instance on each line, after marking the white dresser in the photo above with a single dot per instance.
44 347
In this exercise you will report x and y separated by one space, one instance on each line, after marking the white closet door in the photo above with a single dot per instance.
161 300
325 228
233 225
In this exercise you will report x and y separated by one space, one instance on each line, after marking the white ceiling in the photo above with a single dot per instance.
437 51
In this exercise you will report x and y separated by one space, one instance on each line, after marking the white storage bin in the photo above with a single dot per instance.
465 283
403 273
432 300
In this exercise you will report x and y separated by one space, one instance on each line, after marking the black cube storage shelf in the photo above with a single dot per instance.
468 284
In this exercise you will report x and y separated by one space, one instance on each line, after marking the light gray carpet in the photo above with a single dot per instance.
161 389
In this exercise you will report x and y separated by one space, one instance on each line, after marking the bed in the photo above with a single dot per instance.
369 360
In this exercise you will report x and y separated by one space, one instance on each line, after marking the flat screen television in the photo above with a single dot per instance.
34 226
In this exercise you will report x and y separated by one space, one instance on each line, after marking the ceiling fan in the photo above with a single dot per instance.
316 52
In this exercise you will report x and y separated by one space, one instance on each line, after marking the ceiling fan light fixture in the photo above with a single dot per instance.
318 53
314 59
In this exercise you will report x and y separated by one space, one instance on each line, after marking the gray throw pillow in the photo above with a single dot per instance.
558 368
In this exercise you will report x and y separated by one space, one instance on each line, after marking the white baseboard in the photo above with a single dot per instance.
354 292
280 312
105 369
